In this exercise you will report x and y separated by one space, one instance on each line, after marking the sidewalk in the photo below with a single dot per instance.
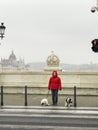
50 107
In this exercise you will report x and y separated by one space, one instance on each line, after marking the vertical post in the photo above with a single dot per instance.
1 95
75 101
25 95
97 3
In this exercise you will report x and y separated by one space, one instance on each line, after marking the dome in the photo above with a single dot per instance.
12 56
53 60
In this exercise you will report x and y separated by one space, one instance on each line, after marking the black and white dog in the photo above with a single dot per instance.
44 102
68 102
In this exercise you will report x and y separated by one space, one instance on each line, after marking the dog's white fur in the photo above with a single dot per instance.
68 102
44 102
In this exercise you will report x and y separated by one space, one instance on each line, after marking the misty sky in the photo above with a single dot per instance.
34 28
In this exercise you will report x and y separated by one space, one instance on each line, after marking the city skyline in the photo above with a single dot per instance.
34 28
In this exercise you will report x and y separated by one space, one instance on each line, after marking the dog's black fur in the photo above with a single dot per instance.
68 102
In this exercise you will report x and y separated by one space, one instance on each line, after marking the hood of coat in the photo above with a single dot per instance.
54 74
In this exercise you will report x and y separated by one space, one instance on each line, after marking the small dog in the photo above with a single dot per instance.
44 102
68 102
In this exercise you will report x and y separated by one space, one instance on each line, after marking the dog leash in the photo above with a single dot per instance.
48 94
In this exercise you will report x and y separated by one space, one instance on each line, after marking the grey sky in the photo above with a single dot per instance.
34 28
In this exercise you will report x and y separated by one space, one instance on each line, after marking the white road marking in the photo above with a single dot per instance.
49 116
48 112
46 127
51 111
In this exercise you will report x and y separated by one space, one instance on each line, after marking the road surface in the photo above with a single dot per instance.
48 118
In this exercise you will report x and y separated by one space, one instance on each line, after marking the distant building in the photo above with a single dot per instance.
12 63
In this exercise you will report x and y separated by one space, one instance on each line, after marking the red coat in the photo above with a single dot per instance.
54 82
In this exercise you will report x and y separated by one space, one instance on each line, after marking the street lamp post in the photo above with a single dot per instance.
94 8
2 30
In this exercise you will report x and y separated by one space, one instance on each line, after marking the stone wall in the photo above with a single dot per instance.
14 82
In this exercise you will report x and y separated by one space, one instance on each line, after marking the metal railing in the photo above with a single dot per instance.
75 101
26 96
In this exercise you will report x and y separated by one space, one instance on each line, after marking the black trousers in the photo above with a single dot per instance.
54 96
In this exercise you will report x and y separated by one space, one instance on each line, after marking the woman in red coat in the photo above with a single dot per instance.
54 85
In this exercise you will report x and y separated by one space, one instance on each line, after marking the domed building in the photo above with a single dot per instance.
52 63
12 57
12 63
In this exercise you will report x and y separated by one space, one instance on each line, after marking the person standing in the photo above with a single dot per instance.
54 85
